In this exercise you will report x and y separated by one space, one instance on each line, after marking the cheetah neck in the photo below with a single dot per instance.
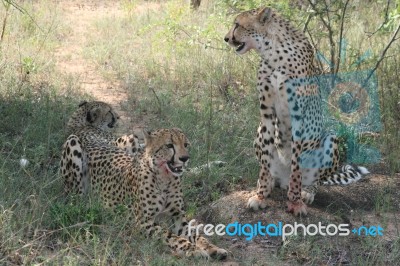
279 39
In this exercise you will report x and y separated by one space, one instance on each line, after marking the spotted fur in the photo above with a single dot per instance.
149 185
91 124
147 181
291 119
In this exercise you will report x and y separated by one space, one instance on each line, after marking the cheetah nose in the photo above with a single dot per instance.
226 39
184 158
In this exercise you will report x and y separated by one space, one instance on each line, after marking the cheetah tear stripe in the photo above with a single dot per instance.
348 175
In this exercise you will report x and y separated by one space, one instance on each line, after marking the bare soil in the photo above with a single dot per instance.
80 18
355 205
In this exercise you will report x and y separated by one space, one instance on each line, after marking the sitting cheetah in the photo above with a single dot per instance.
147 182
290 145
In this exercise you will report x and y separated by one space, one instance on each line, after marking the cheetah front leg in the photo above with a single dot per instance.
297 105
182 228
264 145
178 245
295 203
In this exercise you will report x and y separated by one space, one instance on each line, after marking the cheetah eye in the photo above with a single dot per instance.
186 144
170 146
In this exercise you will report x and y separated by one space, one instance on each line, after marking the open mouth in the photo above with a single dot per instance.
178 170
239 46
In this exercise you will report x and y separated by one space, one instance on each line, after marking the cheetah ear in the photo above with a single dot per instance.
92 115
82 103
265 14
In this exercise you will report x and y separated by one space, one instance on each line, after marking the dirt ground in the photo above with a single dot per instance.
354 205
356 202
80 17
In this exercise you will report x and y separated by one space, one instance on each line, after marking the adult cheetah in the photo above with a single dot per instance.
291 146
93 123
146 181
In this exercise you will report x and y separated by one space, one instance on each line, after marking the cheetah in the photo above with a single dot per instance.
147 181
149 185
291 146
96 121
93 123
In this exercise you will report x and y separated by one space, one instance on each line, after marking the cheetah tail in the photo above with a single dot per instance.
347 175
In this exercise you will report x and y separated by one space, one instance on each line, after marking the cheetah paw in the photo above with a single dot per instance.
211 250
297 208
256 203
307 197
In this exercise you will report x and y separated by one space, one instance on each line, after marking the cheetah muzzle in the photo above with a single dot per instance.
176 170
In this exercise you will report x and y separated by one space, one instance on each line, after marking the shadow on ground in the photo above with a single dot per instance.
371 202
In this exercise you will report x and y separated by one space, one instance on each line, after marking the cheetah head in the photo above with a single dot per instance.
168 150
96 114
249 28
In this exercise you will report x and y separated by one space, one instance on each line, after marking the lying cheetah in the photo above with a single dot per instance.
93 122
147 182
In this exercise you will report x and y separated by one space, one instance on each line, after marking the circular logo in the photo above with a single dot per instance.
349 102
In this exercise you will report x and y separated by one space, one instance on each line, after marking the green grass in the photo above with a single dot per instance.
178 73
